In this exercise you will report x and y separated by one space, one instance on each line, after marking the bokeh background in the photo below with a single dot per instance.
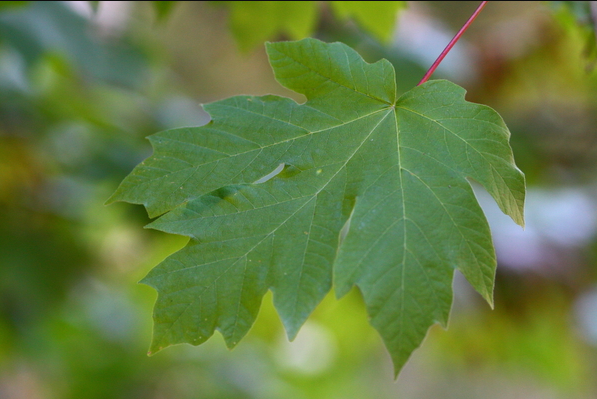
83 83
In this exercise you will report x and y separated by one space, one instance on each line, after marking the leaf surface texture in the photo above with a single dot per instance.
265 189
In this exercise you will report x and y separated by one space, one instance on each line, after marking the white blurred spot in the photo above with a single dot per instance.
111 17
557 221
312 352
83 8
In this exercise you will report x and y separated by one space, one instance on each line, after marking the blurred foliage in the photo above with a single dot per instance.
163 8
79 91
581 16
253 23
377 17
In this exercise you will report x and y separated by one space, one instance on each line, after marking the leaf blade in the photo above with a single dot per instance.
397 167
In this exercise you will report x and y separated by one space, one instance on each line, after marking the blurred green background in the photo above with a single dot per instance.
82 84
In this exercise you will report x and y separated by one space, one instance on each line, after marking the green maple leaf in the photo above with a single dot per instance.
372 191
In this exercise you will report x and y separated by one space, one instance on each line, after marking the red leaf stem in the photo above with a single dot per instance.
452 43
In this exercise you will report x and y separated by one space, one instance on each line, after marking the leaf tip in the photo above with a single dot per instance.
517 213
518 218
292 326
292 333
231 344
112 199
397 363
154 348
341 289
147 280
231 337
144 281
489 298
486 291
